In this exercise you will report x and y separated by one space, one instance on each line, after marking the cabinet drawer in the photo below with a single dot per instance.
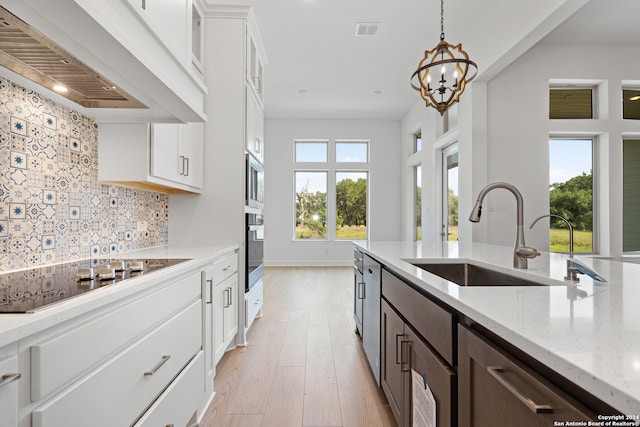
58 360
494 387
254 303
9 381
178 402
434 323
224 267
117 392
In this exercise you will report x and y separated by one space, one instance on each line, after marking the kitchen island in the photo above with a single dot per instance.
589 334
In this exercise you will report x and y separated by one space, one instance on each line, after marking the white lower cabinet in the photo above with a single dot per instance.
253 303
220 295
131 380
9 382
175 406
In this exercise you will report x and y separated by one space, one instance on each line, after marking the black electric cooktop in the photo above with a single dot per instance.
30 290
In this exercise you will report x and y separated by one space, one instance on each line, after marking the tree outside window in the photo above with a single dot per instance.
351 205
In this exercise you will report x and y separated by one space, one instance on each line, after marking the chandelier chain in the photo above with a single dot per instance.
441 19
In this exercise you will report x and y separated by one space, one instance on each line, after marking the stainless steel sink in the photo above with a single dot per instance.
464 274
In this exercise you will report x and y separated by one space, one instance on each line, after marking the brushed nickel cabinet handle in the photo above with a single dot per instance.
226 298
210 282
399 349
8 379
186 159
181 166
405 344
496 371
158 366
227 268
230 297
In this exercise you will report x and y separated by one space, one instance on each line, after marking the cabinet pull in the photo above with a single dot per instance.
226 298
158 366
210 282
181 171
495 372
370 271
8 379
399 349
186 159
144 4
227 268
258 145
230 296
360 292
405 344
363 289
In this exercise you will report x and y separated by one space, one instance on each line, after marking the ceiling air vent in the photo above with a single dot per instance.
27 52
364 29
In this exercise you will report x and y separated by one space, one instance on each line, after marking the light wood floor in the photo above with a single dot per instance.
303 365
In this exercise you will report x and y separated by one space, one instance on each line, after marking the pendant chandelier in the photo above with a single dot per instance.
451 68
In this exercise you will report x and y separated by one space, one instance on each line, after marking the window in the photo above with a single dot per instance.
318 180
311 151
631 104
417 142
352 152
630 195
418 201
571 103
351 205
311 205
571 193
450 193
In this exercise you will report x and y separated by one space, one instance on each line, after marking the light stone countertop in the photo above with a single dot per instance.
14 327
592 340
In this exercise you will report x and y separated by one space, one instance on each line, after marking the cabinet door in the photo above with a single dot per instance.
438 375
391 376
231 310
260 132
165 151
208 328
168 20
371 314
219 303
9 379
191 153
253 110
357 299
494 388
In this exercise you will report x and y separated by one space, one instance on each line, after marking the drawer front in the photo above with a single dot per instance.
224 267
119 391
9 381
54 364
178 402
254 303
434 323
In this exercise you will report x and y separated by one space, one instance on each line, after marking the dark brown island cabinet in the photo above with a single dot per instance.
476 378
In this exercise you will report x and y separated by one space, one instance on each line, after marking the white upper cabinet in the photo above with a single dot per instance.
255 65
143 47
166 157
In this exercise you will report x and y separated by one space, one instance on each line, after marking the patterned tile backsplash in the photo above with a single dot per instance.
52 207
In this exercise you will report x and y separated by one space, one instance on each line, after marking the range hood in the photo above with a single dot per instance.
27 52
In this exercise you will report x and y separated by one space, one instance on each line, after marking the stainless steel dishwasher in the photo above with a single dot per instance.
370 293
358 283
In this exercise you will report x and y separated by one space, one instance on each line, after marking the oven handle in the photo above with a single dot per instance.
256 227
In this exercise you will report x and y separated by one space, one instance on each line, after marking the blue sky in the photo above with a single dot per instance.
569 158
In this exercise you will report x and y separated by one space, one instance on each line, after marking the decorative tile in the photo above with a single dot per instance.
52 207
18 160
18 126
74 212
49 121
49 197
17 211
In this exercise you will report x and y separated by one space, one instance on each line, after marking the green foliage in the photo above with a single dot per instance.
559 240
453 208
574 201
351 202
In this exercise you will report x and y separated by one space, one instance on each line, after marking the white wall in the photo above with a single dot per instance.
503 135
384 185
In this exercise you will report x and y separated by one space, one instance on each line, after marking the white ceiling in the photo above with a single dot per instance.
312 47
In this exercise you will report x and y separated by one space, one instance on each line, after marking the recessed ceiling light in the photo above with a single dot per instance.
303 91
376 92
60 89
367 28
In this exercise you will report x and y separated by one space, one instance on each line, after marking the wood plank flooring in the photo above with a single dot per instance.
303 365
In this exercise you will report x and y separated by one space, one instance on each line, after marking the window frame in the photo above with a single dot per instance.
595 243
331 167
